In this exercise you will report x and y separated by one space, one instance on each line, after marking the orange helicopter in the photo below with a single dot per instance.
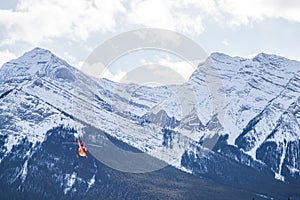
81 149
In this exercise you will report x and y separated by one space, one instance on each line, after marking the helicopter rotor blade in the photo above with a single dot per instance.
69 143
93 145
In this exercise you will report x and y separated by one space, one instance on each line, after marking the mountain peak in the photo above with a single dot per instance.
38 62
259 57
39 50
219 56
38 54
268 57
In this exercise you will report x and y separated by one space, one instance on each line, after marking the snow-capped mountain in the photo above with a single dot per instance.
44 101
260 93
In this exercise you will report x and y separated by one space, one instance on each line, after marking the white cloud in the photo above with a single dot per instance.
150 13
188 16
71 59
164 70
225 43
242 12
183 68
174 15
117 77
97 70
6 56
36 21
250 56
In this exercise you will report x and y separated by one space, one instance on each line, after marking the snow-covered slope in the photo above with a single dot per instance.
39 92
259 94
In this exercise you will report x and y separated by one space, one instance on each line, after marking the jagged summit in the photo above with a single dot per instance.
38 59
36 63
266 56
260 57
33 56
219 56
38 50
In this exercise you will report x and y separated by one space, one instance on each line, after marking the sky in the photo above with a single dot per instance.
71 29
